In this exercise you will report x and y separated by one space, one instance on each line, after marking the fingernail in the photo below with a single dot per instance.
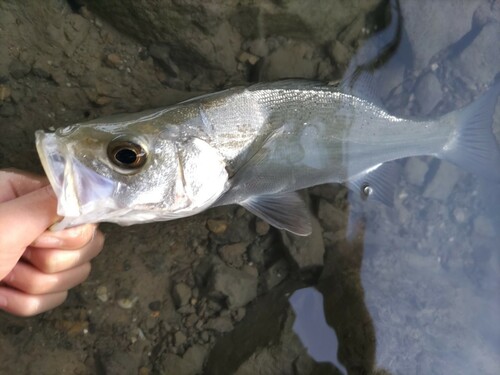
47 241
3 301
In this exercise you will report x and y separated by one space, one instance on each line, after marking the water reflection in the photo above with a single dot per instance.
417 291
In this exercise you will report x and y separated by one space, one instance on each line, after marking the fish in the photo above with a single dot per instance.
255 146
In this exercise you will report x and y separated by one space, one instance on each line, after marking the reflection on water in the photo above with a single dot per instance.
417 292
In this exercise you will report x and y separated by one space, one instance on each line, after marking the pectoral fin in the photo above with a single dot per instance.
283 211
377 183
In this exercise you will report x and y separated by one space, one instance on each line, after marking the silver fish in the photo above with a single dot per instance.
253 146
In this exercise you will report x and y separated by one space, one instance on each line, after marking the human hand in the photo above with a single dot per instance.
37 266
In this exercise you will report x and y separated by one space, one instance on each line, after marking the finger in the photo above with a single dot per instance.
21 221
69 239
56 260
31 280
16 183
22 304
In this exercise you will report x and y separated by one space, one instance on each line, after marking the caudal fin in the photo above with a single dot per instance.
474 146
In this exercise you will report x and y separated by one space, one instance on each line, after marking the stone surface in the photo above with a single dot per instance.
443 182
415 171
232 254
428 93
181 294
237 287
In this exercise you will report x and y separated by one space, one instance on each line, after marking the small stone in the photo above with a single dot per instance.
179 338
246 57
102 293
239 314
415 171
101 101
238 287
127 303
190 320
113 60
428 93
181 294
443 182
276 274
5 92
217 226
221 324
7 110
205 336
232 254
261 227
18 69
339 53
155 306
251 270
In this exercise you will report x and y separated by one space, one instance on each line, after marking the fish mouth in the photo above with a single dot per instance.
83 195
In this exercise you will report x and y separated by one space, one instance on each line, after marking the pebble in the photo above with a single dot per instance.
5 92
239 314
276 274
415 171
102 293
155 306
246 57
232 254
113 60
181 294
127 303
261 227
443 182
238 287
428 93
179 338
217 226
220 324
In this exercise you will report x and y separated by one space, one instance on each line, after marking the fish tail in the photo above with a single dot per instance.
474 146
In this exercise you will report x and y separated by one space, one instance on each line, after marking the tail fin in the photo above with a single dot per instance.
474 146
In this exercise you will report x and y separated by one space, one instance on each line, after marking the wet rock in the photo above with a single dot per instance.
127 303
179 338
249 58
239 314
423 23
102 293
306 251
415 171
181 294
428 93
292 60
443 182
221 324
161 53
331 217
483 226
237 287
217 226
191 363
7 110
339 53
261 227
155 306
5 92
19 69
275 274
113 60
478 63
232 254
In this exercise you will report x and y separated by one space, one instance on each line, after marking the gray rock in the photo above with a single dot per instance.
191 363
423 23
237 287
181 294
232 254
428 93
415 171
275 274
478 63
443 182
179 338
307 252
331 217
221 324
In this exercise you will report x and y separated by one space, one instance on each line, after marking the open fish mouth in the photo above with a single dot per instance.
81 192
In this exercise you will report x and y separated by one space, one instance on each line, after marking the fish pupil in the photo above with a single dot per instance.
126 156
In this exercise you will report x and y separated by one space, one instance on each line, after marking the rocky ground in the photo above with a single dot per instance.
415 292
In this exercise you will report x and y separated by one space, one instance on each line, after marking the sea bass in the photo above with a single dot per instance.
254 146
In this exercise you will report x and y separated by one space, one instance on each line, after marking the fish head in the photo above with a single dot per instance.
129 174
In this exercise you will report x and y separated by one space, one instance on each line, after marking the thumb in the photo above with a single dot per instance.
22 220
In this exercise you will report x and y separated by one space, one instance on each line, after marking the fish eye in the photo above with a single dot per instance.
126 154
366 191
